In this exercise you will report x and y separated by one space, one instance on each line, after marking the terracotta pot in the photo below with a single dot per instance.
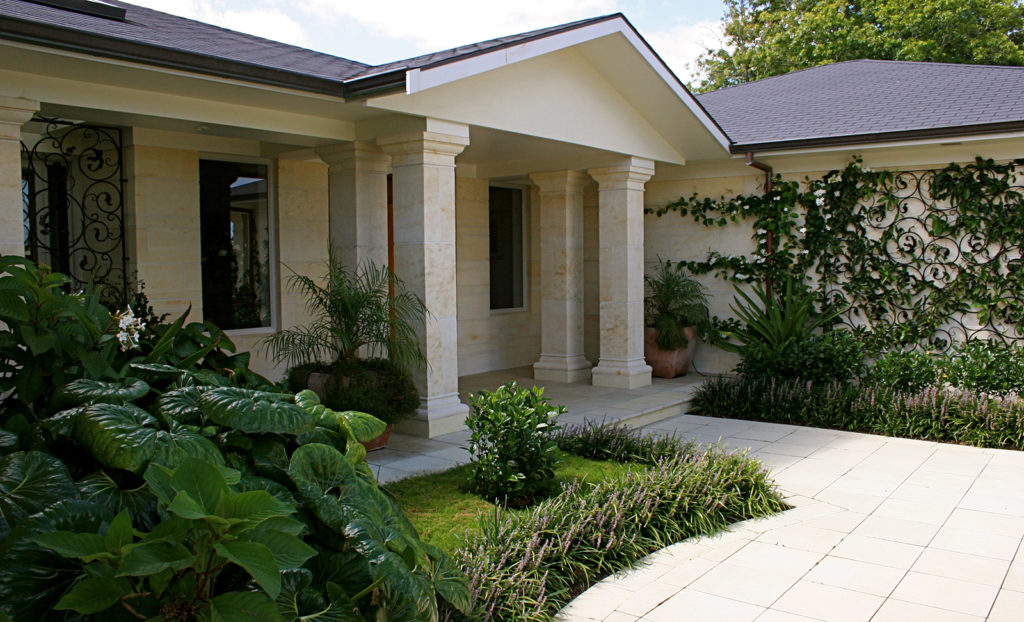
669 363
381 441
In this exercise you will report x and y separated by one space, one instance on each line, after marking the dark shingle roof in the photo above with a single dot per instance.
866 98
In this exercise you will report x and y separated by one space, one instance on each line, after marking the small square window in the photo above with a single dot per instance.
506 258
234 212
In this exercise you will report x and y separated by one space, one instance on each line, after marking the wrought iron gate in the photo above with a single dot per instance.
73 193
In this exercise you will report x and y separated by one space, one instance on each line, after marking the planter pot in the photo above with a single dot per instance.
381 441
669 363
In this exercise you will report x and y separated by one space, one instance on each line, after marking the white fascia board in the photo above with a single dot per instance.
417 80
874 146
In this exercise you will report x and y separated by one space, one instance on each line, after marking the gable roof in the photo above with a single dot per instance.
869 101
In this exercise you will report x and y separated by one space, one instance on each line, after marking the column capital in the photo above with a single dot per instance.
15 112
361 155
559 182
423 148
633 173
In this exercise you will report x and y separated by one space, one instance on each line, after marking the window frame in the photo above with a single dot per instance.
524 219
273 263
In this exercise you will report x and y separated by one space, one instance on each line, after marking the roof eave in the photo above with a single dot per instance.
880 137
24 31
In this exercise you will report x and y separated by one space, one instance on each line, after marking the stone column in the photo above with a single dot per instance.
423 168
14 112
561 268
358 178
621 232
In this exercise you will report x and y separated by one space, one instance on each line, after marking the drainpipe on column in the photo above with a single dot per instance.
768 176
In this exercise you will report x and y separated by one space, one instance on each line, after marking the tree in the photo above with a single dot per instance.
765 38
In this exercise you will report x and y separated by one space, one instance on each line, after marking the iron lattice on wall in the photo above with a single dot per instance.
935 260
73 193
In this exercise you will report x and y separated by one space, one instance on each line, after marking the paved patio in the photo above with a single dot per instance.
883 529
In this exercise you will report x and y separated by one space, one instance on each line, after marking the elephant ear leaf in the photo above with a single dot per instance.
119 436
255 412
30 482
180 405
354 425
347 503
449 580
86 391
243 607
364 427
102 489
156 371
181 441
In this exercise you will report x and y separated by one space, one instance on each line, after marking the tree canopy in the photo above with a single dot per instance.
765 38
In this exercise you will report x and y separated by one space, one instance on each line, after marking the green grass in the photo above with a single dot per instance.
443 511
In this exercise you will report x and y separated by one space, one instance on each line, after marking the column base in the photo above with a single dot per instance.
554 368
437 415
621 374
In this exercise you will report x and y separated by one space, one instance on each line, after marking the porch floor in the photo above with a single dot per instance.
410 455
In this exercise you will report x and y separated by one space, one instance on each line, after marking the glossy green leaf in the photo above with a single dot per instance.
30 482
180 405
156 371
149 558
85 390
254 412
255 506
288 550
204 482
256 559
68 544
120 436
365 427
300 602
119 533
94 594
180 442
243 607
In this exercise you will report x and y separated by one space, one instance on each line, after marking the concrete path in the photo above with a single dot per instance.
882 529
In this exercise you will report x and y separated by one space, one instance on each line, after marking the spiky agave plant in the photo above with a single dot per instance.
675 301
369 308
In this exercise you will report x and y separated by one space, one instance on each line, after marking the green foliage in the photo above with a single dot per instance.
766 38
989 367
835 356
844 235
944 414
527 565
512 450
674 302
775 321
353 310
375 386
903 371
212 530
619 443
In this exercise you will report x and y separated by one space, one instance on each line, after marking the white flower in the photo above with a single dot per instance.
803 229
820 201
761 232
827 228
775 198
838 193
820 192
741 277
745 206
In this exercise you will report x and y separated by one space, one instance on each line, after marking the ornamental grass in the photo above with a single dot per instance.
936 413
527 565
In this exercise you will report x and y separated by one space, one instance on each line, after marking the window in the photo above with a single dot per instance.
234 212
506 230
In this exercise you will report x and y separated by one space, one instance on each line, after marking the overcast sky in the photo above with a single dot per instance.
380 31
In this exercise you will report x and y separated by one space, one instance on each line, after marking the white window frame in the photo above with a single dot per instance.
525 221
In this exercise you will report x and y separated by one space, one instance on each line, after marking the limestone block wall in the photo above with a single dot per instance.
491 340
162 226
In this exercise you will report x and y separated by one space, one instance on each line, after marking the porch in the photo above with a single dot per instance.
408 455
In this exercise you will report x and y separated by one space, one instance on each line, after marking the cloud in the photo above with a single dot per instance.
255 20
680 46
449 23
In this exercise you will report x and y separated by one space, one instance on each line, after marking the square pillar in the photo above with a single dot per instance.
561 269
14 112
423 166
358 182
621 232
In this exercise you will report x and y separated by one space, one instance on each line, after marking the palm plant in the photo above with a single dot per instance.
368 309
675 302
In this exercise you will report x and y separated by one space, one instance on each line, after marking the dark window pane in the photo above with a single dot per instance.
235 238
506 231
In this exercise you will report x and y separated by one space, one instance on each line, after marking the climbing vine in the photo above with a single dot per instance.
922 258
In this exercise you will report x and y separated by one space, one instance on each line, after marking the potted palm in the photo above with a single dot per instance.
357 351
677 315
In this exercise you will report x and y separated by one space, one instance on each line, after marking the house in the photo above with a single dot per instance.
503 181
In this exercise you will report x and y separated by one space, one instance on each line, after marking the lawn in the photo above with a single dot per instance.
443 510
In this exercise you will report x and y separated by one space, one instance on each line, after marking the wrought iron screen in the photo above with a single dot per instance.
73 194
957 269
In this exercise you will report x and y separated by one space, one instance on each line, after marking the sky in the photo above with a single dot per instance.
380 31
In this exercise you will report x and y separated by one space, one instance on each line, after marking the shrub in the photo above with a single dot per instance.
907 372
528 565
774 319
985 366
675 301
944 414
512 448
375 386
836 356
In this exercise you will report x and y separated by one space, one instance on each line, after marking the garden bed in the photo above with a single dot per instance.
626 496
